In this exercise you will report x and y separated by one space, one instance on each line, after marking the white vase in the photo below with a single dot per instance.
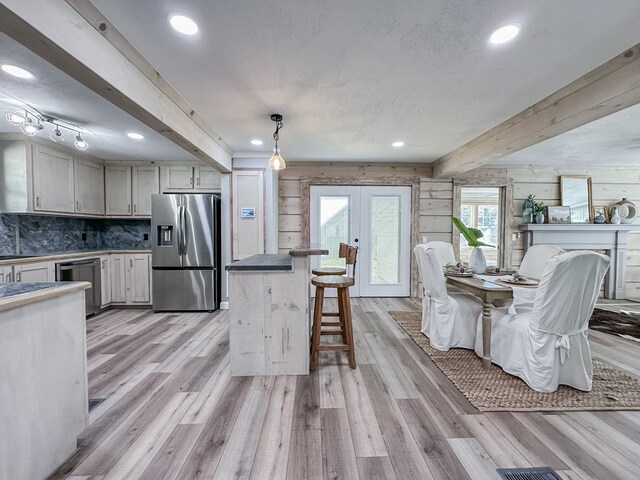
477 262
615 218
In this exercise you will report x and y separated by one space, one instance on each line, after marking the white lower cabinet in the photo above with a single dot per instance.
28 272
6 274
131 279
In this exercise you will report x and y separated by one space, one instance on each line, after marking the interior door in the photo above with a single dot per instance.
376 219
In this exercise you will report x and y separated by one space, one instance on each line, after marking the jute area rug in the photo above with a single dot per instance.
493 390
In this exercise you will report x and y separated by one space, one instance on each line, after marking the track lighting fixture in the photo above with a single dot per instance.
276 162
31 123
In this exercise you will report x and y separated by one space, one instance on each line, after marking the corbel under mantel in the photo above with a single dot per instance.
587 236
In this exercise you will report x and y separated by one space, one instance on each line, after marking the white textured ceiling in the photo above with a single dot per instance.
350 77
613 140
54 93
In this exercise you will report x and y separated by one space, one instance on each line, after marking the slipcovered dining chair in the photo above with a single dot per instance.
448 318
535 260
444 251
547 345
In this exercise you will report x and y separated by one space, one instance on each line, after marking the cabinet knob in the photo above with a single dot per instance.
38 202
135 207
128 207
77 206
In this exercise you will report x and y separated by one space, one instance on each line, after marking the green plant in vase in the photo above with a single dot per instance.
538 211
477 262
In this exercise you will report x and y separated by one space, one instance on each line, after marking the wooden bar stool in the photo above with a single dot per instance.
342 284
342 253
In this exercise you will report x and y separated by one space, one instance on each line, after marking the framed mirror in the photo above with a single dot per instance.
575 192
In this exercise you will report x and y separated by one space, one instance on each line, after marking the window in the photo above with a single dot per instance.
480 208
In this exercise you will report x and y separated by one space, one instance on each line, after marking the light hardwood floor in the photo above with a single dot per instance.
171 411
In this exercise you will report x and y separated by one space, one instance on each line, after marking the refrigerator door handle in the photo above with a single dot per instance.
179 230
183 229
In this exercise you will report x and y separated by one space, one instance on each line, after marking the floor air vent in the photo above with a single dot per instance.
94 402
536 473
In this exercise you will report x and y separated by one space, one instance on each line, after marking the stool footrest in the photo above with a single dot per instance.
332 332
329 348
331 324
330 314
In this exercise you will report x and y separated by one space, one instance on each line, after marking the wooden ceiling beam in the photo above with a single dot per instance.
61 35
607 89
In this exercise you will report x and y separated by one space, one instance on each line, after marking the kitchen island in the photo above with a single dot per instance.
269 313
43 387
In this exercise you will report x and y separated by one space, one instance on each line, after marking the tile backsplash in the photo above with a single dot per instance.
39 234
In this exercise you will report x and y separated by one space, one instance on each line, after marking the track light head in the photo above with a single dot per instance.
80 143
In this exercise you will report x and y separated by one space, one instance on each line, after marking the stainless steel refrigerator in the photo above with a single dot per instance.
185 240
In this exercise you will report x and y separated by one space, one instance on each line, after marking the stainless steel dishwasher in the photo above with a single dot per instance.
83 271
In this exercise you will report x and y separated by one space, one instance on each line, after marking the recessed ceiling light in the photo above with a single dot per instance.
398 144
135 136
256 142
16 71
183 24
504 34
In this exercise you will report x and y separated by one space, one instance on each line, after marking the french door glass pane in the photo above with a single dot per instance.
334 228
385 239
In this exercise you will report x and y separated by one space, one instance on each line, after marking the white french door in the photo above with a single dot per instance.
376 219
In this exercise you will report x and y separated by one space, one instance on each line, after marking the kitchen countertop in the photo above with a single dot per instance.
65 255
262 262
307 250
14 295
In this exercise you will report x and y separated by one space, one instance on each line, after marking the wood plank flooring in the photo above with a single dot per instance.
172 411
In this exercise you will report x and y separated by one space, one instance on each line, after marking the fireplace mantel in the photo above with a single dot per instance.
587 236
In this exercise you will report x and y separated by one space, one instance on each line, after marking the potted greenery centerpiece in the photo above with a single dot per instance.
538 211
477 262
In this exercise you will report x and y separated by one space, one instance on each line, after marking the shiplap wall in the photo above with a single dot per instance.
436 199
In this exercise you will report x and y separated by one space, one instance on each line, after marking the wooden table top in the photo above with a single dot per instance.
477 282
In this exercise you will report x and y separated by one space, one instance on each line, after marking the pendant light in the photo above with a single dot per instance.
276 162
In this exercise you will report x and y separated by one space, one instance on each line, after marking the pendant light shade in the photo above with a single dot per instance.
276 162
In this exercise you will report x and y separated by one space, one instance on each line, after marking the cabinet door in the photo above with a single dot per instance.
105 279
32 272
207 178
89 180
177 177
117 184
138 279
6 274
118 279
146 182
52 181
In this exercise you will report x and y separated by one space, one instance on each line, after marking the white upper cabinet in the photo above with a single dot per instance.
146 182
189 178
53 186
129 189
207 178
177 177
117 183
89 187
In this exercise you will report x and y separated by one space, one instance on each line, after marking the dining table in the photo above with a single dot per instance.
491 290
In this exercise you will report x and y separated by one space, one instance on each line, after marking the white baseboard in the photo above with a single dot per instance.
224 305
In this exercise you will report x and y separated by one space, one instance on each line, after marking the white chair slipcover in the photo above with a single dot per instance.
444 251
535 260
448 319
547 345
